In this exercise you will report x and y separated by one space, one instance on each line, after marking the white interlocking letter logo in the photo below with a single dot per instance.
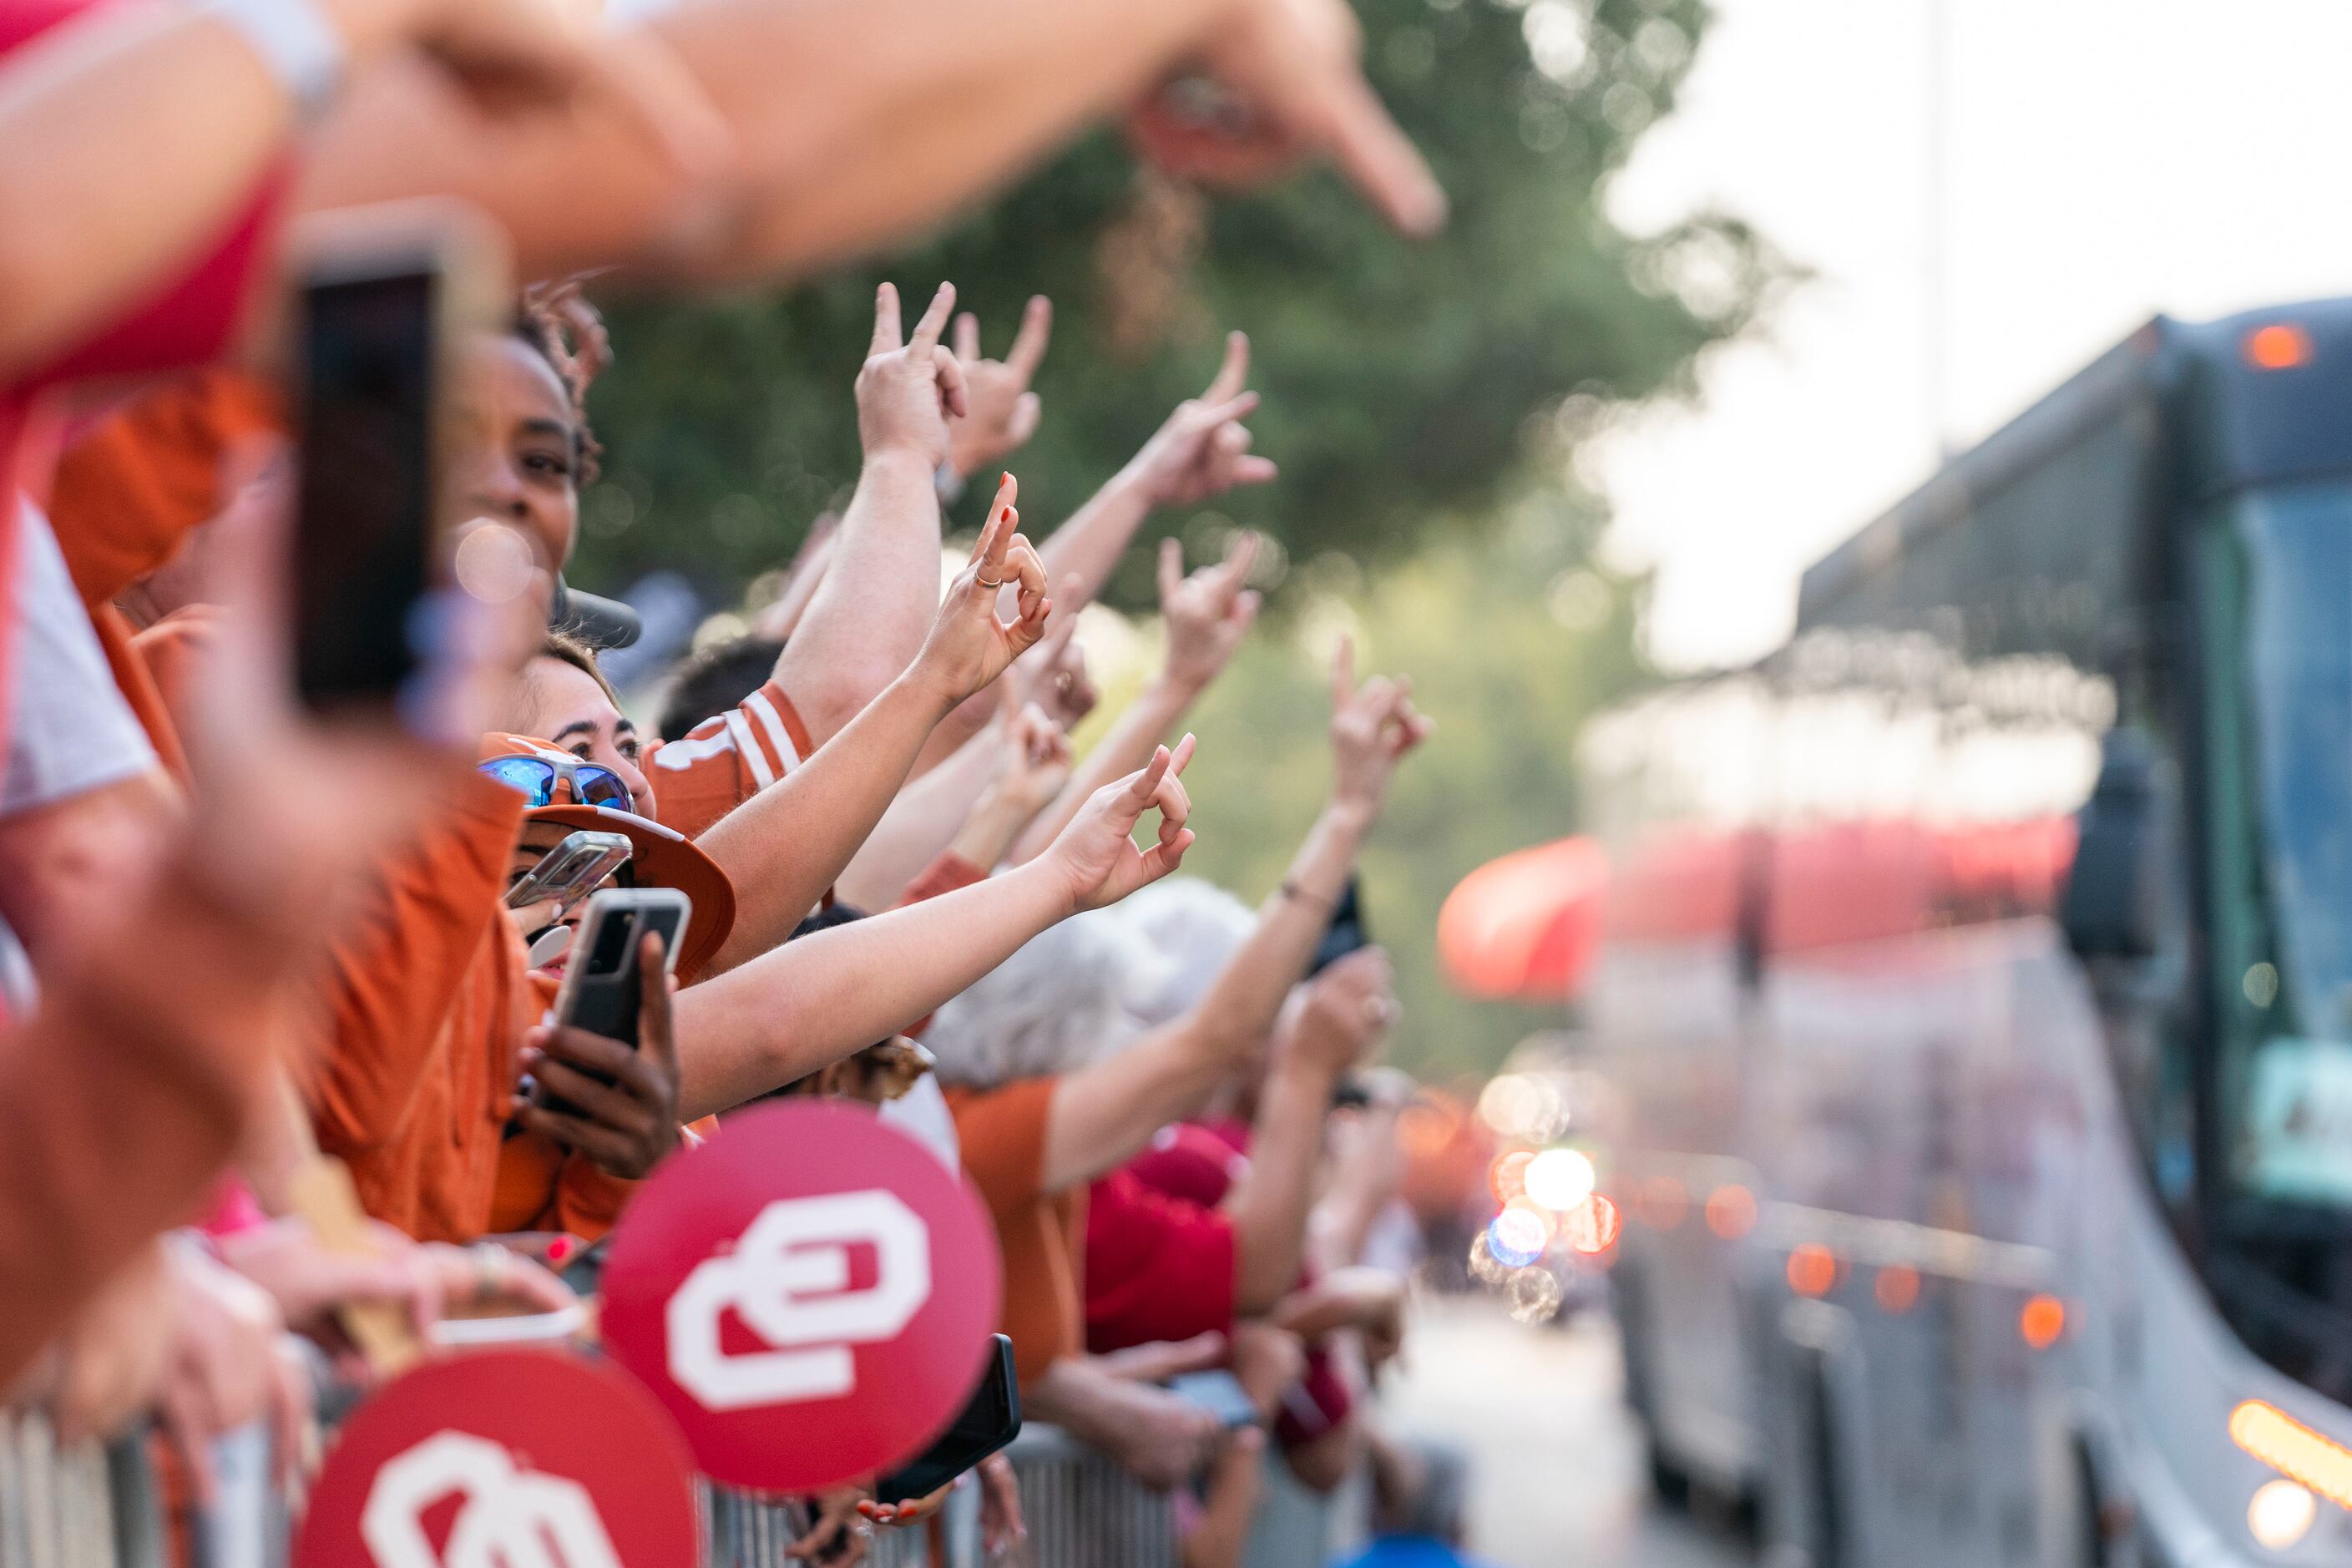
788 1280
510 1517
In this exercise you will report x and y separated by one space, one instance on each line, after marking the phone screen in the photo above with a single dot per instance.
363 554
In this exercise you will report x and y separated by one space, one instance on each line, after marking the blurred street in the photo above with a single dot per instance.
1560 1481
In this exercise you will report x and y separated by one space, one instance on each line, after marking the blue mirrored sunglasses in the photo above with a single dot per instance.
536 777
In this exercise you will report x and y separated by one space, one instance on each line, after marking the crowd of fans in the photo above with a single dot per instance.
249 945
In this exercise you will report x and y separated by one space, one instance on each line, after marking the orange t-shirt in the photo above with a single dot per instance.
1040 1235
430 996
726 760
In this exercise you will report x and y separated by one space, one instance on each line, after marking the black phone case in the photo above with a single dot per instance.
990 1419
607 1003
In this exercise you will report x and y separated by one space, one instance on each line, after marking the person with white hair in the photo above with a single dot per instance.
1060 1065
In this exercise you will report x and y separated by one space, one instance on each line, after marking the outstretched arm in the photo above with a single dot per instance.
880 587
1103 1114
783 846
1343 1014
857 121
812 1002
1206 616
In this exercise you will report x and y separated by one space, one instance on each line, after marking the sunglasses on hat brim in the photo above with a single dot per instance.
537 777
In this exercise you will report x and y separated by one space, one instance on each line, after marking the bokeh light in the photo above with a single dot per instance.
2041 1320
1591 1226
1559 1179
1534 1295
1731 1212
1507 1178
1485 1267
1897 1288
1813 1269
1523 1105
1518 1236
2281 1514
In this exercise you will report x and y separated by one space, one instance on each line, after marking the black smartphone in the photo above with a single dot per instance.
602 984
384 298
1219 1394
989 1420
1347 931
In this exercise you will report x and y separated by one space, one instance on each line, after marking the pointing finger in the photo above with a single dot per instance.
1343 673
1233 374
966 337
1182 758
885 321
1383 163
935 320
1029 347
1172 568
998 510
1240 556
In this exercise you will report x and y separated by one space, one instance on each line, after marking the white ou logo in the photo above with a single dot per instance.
788 1279
511 1518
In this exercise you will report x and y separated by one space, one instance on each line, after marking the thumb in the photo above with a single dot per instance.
1027 410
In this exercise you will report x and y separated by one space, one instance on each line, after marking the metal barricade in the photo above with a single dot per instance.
81 1507
1084 1510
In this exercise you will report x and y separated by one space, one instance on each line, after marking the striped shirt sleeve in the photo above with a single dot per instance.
725 761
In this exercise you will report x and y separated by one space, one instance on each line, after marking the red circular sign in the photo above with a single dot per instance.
505 1456
811 1294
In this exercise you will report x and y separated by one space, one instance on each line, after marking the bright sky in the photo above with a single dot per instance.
2107 159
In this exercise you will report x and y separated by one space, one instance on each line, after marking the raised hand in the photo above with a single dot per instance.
1344 1013
907 391
1286 84
969 646
1053 675
1102 863
1034 761
1001 412
1207 614
1203 449
1372 728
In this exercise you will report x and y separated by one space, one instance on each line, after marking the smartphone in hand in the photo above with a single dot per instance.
603 985
989 1420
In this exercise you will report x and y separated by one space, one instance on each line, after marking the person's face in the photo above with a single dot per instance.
560 705
513 451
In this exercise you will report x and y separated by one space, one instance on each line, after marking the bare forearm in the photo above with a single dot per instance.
814 1001
855 122
926 817
1271 1207
1246 995
786 845
1104 1114
1126 747
990 830
880 590
1092 539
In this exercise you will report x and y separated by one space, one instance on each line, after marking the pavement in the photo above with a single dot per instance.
1559 1481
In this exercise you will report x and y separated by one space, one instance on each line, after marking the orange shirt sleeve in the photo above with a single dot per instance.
126 494
396 976
725 761
1039 1237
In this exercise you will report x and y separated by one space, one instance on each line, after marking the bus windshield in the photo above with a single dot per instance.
2291 1083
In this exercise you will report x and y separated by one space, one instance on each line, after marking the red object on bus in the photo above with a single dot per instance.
505 1456
1525 926
811 1294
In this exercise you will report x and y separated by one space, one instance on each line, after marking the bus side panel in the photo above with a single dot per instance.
1668 1024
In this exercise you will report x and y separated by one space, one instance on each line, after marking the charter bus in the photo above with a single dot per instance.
1976 986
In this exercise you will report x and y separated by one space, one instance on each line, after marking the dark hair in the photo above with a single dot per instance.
715 681
552 326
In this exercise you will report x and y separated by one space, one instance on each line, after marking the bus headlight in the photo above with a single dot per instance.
2281 1513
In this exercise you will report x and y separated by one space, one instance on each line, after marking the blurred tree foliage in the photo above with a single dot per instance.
1401 381
1510 639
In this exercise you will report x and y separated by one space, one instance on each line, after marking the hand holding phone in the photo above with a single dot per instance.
576 866
989 1420
602 1077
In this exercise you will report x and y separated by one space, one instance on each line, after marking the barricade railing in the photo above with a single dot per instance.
99 1506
